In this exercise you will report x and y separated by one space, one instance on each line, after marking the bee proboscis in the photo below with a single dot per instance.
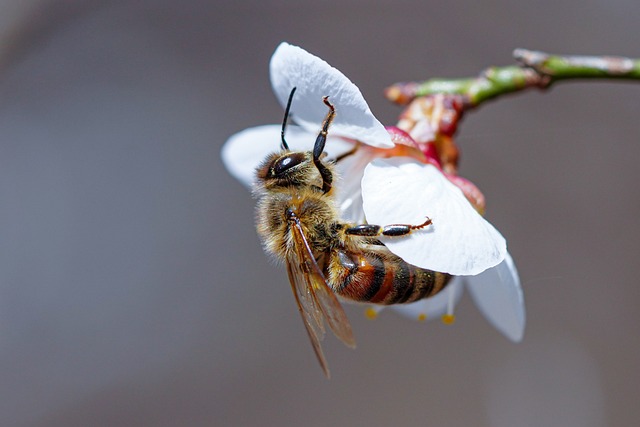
298 222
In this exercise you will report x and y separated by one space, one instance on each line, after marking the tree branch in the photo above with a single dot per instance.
536 70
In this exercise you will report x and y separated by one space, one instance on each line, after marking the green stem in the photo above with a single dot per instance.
536 69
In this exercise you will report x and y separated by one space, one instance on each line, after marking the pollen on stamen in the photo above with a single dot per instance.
448 319
371 313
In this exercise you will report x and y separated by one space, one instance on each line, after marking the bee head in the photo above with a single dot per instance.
290 169
294 168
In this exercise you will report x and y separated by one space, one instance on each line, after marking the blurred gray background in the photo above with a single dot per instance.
133 290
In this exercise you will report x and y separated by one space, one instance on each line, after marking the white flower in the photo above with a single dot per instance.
387 189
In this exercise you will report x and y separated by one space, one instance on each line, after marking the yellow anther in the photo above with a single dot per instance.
422 317
371 313
448 319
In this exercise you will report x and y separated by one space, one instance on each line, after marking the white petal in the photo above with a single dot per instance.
244 151
403 191
498 295
435 306
349 192
292 66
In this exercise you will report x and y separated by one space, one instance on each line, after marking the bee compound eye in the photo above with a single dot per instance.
285 163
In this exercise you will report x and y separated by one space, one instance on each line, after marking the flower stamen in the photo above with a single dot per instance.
449 318
371 313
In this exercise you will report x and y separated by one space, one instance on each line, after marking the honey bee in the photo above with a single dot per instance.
327 258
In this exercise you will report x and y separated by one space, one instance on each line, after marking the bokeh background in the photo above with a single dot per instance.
133 290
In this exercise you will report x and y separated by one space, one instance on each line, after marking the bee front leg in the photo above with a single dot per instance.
371 230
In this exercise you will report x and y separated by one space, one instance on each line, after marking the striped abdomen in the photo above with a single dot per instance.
380 277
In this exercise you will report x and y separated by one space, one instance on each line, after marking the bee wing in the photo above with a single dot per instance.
308 310
316 301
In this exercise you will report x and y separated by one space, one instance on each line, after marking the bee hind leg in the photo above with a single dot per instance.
372 230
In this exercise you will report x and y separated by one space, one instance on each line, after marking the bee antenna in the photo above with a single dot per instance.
318 148
283 143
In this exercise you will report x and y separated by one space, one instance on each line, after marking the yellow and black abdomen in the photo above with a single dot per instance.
378 276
